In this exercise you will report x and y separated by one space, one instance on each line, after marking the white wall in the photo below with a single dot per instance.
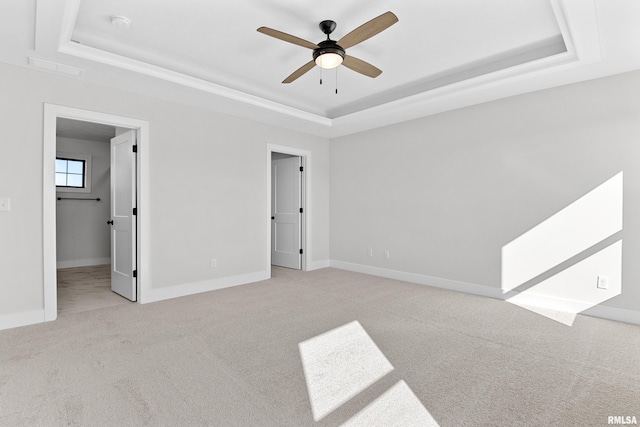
208 175
444 194
82 232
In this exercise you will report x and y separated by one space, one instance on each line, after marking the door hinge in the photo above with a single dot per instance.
135 148
300 251
135 211
300 210
135 273
301 168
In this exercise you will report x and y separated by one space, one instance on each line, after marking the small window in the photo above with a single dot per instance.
70 173
73 173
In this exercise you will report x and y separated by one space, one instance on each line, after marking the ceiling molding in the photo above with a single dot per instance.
96 55
475 83
523 56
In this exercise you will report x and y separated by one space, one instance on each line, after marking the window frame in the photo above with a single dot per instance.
86 158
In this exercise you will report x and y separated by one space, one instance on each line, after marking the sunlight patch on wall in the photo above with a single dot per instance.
587 221
554 268
574 289
340 364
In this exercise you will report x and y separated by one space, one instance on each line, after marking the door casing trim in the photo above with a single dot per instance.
51 113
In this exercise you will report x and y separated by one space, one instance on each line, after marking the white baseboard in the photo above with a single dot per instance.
83 262
573 306
317 265
546 301
420 279
24 318
601 311
159 294
612 313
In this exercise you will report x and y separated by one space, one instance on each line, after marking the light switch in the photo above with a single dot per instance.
5 204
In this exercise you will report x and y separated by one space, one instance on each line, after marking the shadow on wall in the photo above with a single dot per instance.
572 261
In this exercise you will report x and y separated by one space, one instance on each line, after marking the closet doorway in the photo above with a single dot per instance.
85 234
92 193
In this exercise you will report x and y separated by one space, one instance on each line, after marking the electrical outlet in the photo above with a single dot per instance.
370 252
214 263
387 255
603 282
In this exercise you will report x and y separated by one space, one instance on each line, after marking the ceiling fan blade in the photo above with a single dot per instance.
299 72
360 66
368 30
287 37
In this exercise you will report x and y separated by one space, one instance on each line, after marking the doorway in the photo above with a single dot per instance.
288 207
287 211
136 252
95 244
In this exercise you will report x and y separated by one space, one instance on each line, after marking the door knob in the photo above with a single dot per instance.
273 217
110 222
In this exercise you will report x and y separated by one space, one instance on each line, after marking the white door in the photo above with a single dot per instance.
286 207
123 220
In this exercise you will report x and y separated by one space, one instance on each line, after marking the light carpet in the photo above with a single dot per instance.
232 357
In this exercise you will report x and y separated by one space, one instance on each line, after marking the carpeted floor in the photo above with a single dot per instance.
233 357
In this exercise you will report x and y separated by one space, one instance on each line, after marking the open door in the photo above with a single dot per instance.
123 215
286 212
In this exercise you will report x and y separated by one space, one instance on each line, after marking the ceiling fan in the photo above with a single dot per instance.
330 53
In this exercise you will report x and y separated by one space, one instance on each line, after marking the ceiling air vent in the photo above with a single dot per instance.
56 68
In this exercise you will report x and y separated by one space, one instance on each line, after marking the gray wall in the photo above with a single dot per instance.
444 194
82 232
208 183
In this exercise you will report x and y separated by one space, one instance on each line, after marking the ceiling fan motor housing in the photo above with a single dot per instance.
328 46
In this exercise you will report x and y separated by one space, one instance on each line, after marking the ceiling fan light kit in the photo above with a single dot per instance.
330 53
329 60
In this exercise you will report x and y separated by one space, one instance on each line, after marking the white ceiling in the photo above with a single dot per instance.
87 131
439 56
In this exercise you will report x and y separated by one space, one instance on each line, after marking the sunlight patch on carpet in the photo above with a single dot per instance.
564 317
397 407
338 365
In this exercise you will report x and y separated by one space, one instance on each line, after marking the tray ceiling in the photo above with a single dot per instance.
439 56
221 44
